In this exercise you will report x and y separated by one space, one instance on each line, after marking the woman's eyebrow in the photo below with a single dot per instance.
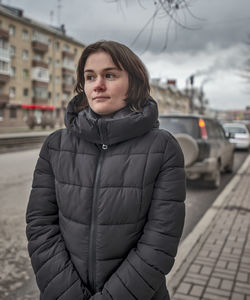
106 69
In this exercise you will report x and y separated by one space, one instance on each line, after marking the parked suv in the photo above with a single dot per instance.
207 150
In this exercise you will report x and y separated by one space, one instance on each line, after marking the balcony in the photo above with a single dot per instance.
40 77
4 54
4 34
4 98
67 88
38 63
41 101
40 46
68 54
4 77
38 83
66 71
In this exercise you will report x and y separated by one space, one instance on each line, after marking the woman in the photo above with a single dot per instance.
106 209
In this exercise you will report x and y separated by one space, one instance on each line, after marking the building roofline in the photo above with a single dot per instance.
17 15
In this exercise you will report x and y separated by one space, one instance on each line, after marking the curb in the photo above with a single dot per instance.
186 251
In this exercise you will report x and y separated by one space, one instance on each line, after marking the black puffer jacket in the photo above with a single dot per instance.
106 210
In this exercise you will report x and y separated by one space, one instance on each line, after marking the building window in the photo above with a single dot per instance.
49 95
57 79
25 35
12 71
25 55
40 92
12 50
25 73
13 113
4 44
66 47
4 67
49 60
40 37
57 96
12 92
26 92
75 51
57 45
58 63
12 30
1 114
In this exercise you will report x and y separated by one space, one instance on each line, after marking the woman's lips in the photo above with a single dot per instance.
100 98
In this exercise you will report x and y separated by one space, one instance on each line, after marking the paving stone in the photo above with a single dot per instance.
237 296
205 262
204 253
227 250
242 276
214 282
214 254
230 257
232 266
196 281
195 268
197 290
217 292
223 275
184 288
244 287
222 264
206 270
209 296
227 285
237 251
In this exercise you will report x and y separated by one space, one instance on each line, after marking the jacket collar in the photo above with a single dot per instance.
123 125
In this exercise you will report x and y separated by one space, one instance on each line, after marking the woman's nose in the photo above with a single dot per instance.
99 84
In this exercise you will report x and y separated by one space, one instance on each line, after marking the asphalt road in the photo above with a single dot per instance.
16 277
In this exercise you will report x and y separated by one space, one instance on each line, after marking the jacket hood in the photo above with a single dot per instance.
123 125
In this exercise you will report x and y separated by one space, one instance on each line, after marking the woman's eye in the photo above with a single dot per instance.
110 75
90 77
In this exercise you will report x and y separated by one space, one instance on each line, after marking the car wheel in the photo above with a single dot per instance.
214 183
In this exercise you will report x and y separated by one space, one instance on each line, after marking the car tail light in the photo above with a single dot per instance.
203 128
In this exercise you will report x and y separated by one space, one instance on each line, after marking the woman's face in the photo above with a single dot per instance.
105 85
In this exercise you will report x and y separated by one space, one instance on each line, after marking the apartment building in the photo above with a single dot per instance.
169 98
37 70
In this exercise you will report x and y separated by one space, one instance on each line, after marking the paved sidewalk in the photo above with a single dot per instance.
213 262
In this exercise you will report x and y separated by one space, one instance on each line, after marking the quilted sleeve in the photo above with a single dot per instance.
143 271
55 274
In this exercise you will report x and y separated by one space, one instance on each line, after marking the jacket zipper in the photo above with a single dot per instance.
92 238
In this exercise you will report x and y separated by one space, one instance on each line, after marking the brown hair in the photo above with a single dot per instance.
138 90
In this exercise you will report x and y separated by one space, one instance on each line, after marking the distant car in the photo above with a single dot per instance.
207 150
238 135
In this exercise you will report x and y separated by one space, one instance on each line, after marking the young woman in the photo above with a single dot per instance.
106 210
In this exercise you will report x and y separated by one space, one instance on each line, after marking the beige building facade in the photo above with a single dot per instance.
170 99
37 70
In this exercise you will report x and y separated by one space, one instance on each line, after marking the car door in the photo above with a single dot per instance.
224 147
228 147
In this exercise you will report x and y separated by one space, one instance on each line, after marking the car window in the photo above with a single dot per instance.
221 132
216 129
177 125
210 129
235 129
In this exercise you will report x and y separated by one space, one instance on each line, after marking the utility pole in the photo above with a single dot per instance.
190 91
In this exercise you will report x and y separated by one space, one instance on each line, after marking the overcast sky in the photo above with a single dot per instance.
209 42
